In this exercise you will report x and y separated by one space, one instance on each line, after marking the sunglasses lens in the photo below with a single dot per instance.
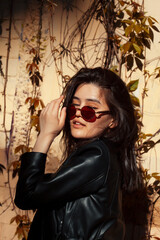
88 114
71 112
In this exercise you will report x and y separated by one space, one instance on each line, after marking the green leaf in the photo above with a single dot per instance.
135 100
132 85
139 63
137 48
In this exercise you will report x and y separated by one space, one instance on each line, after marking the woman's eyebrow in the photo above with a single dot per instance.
93 100
74 97
88 99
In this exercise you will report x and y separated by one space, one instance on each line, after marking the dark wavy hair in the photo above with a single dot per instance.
124 135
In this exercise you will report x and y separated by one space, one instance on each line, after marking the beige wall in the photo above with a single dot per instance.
18 83
152 102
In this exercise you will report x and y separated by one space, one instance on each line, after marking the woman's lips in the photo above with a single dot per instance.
77 124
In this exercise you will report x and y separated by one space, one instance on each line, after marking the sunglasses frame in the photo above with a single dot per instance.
92 119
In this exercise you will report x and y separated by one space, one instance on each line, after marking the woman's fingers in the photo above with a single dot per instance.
51 124
62 117
56 105
50 120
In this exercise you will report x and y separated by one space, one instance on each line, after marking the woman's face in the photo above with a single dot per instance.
93 96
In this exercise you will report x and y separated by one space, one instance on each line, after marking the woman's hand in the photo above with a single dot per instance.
51 125
50 122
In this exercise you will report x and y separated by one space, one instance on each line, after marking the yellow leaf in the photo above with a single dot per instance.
149 135
154 19
128 30
157 178
137 48
155 174
129 12
137 28
126 46
127 21
150 22
146 29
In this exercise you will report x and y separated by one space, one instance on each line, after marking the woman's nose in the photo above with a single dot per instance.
78 112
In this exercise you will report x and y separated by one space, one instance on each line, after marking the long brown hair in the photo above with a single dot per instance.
124 135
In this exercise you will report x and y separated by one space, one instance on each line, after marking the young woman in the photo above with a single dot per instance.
83 199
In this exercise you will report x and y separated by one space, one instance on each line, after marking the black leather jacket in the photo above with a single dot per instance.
81 201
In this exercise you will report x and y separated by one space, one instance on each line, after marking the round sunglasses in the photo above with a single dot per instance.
87 113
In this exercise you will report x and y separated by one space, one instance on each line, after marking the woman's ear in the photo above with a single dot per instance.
113 124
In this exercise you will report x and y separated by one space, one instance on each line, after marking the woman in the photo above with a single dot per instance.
83 199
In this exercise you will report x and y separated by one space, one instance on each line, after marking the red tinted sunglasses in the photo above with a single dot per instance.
88 113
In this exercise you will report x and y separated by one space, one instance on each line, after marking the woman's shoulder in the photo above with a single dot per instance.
92 157
93 151
102 151
93 146
99 144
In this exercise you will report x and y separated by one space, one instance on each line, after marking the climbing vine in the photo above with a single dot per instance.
35 50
